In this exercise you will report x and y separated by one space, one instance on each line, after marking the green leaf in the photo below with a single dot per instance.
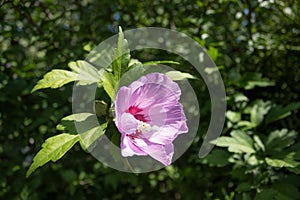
258 111
243 187
280 139
258 143
251 80
216 157
280 163
280 112
100 108
134 72
53 149
55 79
82 72
240 142
178 76
213 53
233 116
286 160
160 62
280 191
109 83
88 138
87 73
67 123
121 56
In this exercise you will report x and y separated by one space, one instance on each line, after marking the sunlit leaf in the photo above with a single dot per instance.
121 56
109 83
213 53
88 138
177 75
53 149
233 116
82 72
279 163
240 142
87 73
160 62
55 79
286 160
67 123
259 109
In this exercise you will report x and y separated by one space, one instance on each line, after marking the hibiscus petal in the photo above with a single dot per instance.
176 118
152 94
128 148
161 79
128 124
122 102
161 153
157 115
163 135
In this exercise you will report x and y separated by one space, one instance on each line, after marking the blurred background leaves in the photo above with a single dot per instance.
256 45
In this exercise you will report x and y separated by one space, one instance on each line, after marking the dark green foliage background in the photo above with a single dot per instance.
242 36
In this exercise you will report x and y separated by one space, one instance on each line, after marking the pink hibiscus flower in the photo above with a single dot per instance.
149 117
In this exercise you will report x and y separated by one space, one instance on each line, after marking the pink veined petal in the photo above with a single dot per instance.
174 124
163 135
160 79
183 128
122 102
152 94
157 115
176 118
127 124
128 148
135 85
161 153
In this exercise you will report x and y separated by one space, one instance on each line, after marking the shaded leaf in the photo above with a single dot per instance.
243 187
251 80
216 157
100 108
279 139
280 112
280 191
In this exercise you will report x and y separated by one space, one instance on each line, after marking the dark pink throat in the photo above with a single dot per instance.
134 110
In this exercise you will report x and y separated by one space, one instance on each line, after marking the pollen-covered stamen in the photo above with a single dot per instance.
143 127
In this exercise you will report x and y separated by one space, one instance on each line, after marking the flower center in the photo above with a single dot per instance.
134 110
143 127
